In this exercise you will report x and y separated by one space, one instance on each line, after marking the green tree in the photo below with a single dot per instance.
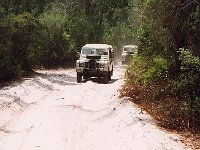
169 30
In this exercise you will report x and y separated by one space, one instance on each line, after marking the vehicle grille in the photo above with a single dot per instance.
91 64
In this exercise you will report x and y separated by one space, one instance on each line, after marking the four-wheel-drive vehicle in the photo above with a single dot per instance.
96 60
127 52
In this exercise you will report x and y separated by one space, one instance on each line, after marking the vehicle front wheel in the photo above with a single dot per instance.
111 71
79 77
85 76
109 75
106 77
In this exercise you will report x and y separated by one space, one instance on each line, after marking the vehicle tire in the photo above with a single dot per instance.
79 77
109 75
112 71
106 78
85 76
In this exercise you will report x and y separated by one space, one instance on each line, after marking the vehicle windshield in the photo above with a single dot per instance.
129 49
87 51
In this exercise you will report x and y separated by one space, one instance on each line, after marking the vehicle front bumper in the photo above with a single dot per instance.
92 72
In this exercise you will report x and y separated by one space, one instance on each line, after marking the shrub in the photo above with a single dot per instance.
147 70
187 86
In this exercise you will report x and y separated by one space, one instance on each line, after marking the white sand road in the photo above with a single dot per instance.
52 112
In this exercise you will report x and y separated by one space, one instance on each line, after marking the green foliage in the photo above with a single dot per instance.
157 44
148 70
154 73
150 2
53 43
188 83
159 38
49 33
15 38
119 36
165 26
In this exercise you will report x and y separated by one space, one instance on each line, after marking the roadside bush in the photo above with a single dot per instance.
155 72
58 36
149 85
147 70
187 87
52 43
15 33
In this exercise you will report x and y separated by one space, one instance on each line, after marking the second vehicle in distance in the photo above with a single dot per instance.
127 52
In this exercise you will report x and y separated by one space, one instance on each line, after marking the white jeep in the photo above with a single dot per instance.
128 52
96 60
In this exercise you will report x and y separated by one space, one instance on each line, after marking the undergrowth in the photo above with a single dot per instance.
174 103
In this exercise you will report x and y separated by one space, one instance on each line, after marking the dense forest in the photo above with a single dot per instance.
48 33
164 77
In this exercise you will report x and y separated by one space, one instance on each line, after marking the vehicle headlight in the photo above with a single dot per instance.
124 54
81 64
77 63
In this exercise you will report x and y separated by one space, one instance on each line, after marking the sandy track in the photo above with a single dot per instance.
52 112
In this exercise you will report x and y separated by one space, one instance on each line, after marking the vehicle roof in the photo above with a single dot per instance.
97 46
134 46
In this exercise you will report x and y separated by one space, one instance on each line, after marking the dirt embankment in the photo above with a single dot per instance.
166 110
